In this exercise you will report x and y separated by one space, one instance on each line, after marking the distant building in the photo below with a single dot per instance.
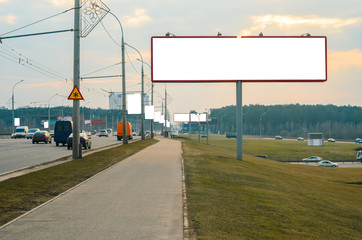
115 101
315 139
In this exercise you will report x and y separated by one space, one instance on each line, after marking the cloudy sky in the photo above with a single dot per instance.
46 62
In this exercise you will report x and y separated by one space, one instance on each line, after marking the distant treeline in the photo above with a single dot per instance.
294 120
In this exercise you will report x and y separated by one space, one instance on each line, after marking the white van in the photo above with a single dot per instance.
21 131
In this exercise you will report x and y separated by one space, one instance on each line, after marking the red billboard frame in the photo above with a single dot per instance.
243 80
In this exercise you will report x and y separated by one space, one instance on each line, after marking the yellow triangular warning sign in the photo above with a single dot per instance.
75 94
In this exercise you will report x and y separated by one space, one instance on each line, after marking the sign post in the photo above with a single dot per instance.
239 121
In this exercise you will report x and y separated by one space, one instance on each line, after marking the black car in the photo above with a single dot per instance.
84 140
42 136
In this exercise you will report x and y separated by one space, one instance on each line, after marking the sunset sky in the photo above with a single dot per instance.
46 62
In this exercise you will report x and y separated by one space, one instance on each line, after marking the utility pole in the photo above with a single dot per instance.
76 111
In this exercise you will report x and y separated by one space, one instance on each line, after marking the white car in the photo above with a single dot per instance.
103 133
327 163
312 159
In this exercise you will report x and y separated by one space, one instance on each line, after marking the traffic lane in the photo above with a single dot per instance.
21 153
340 164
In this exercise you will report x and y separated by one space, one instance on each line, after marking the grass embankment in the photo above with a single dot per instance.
21 194
263 199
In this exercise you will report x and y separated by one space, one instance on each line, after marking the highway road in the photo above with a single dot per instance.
340 164
21 153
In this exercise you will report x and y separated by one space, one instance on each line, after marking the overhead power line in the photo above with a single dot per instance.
55 15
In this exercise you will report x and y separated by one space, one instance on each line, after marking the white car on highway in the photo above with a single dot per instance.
327 163
312 159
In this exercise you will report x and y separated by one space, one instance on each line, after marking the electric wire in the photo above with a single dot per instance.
131 62
101 69
55 15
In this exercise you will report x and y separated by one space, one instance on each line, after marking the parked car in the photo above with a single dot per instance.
84 140
331 140
51 133
103 133
300 139
358 140
312 159
31 132
327 163
42 136
278 138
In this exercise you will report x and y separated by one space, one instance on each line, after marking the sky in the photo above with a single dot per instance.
45 63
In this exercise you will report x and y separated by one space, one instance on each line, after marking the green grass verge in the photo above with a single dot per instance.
263 199
21 194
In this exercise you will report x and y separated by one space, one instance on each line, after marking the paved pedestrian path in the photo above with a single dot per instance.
138 198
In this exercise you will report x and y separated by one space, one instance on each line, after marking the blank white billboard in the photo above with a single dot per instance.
16 122
254 59
157 117
181 117
149 112
134 103
198 117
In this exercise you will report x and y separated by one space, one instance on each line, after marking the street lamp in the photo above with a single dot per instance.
152 120
12 101
49 109
260 122
124 105
142 97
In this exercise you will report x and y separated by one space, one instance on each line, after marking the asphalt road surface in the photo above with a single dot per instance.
340 164
21 153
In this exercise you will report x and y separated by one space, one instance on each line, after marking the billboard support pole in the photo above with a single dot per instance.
239 121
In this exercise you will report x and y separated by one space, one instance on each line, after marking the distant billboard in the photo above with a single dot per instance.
149 112
134 103
187 117
97 122
229 59
181 117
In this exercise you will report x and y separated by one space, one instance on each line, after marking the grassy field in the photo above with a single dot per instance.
264 199
21 194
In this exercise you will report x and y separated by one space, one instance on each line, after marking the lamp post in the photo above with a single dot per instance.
124 105
260 123
152 120
12 102
49 109
142 96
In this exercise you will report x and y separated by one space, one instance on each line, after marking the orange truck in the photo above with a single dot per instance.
120 131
